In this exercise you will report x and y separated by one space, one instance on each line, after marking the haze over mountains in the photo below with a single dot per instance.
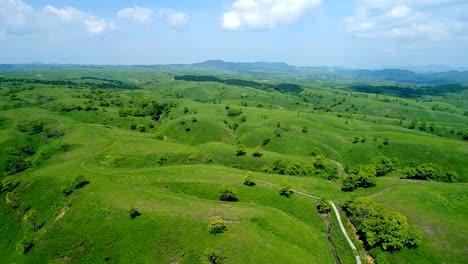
424 75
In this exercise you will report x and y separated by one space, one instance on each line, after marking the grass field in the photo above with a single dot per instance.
171 168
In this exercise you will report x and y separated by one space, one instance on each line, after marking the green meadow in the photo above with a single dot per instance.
142 139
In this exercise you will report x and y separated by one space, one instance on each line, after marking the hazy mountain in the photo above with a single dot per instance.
280 69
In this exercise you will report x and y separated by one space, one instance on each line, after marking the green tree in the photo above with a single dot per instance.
8 184
133 212
285 189
228 194
216 225
30 218
25 244
323 206
249 179
240 151
257 152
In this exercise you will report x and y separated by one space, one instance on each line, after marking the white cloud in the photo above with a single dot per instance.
140 15
265 13
431 19
70 15
173 18
17 16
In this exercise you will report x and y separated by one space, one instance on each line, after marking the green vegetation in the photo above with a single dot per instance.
216 225
285 189
249 179
380 227
120 164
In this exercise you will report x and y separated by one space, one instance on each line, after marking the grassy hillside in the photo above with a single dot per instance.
142 139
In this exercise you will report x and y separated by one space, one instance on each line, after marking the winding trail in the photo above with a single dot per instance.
353 247
338 217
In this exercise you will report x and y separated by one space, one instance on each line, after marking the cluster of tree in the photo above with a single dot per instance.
241 151
364 176
282 87
408 91
102 83
429 171
380 227
317 167
18 153
144 106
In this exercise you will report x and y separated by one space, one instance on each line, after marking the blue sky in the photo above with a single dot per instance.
351 33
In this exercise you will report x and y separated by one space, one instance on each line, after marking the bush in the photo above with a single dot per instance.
66 191
211 257
362 176
249 179
8 184
323 206
228 194
216 225
133 212
285 189
257 152
24 245
429 171
79 182
240 151
380 227
384 165
294 168
30 218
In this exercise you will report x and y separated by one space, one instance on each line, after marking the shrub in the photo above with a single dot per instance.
384 165
161 160
211 257
79 182
323 206
293 168
216 225
228 194
319 162
314 152
361 176
285 189
249 179
8 184
429 171
133 212
24 245
240 151
380 227
66 191
266 141
30 218
257 152
141 128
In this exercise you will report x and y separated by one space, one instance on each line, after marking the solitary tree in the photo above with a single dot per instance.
249 179
285 189
216 225
228 194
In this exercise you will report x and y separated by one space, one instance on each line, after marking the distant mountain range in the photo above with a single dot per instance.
425 75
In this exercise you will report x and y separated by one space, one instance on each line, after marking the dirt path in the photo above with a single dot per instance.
353 247
382 191
337 214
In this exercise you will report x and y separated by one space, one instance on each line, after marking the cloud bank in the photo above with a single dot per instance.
265 13
429 19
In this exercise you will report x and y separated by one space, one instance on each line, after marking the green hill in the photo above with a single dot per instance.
145 138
